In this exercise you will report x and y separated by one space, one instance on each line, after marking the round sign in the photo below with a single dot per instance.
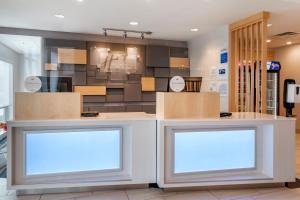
177 84
33 84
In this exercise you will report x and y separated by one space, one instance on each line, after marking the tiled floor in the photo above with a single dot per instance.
157 194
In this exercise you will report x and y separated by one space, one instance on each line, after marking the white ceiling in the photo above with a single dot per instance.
168 19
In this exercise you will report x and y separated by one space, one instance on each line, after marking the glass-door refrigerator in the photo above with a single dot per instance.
273 93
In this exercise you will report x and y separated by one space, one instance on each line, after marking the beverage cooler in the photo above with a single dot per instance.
273 93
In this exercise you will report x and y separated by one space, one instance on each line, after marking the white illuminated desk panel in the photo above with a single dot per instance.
112 149
247 148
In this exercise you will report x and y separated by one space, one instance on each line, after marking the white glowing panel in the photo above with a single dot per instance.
72 151
204 151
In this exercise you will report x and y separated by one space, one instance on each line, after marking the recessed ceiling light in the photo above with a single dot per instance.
269 25
289 43
133 23
59 16
79 0
194 29
268 41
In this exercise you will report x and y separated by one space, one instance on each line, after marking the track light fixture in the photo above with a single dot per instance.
125 32
125 35
105 33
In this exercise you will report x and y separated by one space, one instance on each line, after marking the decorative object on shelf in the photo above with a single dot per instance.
177 84
193 84
33 84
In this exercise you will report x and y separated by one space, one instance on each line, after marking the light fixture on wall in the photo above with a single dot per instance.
125 32
268 41
289 43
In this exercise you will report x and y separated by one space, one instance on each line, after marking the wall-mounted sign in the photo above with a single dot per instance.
224 56
273 66
177 84
33 84
223 72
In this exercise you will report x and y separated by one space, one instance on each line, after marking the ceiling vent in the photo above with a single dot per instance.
286 34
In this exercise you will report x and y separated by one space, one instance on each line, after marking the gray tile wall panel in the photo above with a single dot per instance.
101 75
94 81
134 108
117 76
115 108
71 67
151 109
162 72
132 92
91 73
149 71
148 96
134 77
94 99
79 78
161 84
114 97
184 72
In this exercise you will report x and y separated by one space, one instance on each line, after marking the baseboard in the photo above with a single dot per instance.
226 187
79 189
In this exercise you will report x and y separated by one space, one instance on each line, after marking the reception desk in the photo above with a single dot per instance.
136 148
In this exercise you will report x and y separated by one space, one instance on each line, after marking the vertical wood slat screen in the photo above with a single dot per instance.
248 68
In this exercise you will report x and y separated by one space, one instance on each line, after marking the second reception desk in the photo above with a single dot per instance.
137 148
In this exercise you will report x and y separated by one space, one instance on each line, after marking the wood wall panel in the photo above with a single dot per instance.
72 56
148 84
90 90
248 58
179 62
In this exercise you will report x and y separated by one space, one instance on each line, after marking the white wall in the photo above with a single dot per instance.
24 53
204 53
288 56
12 57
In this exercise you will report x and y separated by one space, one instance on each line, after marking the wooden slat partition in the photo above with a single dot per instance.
248 57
